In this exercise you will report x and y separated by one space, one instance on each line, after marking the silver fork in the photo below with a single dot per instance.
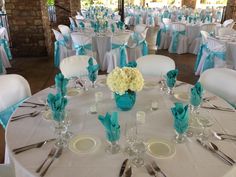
33 114
57 155
157 169
22 115
51 154
150 170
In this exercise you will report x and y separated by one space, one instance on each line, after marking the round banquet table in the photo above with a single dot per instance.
190 159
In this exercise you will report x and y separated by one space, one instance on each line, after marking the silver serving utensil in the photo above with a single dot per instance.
128 172
33 114
217 149
28 106
57 155
222 137
38 104
150 170
225 134
51 154
22 115
35 145
214 152
157 169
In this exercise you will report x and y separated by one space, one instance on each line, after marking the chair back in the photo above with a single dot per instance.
221 82
204 36
121 38
75 66
58 35
176 26
210 28
228 23
216 45
65 30
127 20
155 65
3 33
79 38
166 21
72 22
226 31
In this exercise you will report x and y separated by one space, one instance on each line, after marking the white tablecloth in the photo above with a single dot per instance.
190 160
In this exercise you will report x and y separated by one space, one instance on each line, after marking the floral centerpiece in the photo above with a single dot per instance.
125 82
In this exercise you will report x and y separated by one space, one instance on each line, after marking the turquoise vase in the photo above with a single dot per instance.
126 101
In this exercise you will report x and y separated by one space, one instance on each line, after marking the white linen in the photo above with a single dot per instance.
190 160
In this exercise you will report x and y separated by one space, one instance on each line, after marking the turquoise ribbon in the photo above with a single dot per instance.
151 20
199 56
158 40
190 19
1 66
81 25
72 26
175 38
209 62
57 45
144 47
123 56
166 14
137 19
80 49
6 114
5 44
112 28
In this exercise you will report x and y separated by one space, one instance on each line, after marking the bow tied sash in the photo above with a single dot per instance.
57 45
144 47
175 38
81 49
1 66
158 40
123 55
5 45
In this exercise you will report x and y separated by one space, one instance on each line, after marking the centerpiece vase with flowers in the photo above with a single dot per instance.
125 82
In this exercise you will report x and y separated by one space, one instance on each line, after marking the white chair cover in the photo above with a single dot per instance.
179 40
226 31
65 31
151 38
75 66
3 33
155 65
228 23
210 28
195 45
163 36
73 26
222 82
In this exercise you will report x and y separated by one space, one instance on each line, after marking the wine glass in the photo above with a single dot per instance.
162 83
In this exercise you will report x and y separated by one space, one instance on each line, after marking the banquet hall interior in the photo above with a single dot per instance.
88 72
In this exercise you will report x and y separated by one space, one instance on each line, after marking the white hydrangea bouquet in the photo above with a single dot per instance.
125 82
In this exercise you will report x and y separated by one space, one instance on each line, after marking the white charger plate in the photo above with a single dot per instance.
181 96
84 144
160 148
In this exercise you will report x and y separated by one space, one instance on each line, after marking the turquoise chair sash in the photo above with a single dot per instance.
151 20
57 45
123 56
166 14
6 114
175 38
209 62
144 47
5 44
158 40
80 49
137 19
199 56
1 66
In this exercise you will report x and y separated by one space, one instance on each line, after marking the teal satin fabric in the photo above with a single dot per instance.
80 49
5 44
57 45
144 47
175 38
209 62
123 56
158 40
6 114
199 56
1 66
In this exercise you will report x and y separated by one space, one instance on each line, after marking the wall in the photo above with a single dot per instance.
26 27
189 3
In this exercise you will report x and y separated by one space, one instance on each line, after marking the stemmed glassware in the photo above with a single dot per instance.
162 83
130 135
139 148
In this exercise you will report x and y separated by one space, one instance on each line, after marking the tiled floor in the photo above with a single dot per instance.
40 74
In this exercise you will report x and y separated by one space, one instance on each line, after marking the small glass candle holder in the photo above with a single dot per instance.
113 147
154 106
98 96
141 117
93 109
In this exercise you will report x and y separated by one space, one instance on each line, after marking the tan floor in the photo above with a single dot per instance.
40 74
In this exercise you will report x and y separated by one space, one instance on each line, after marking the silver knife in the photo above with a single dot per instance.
214 152
24 148
218 108
128 172
123 166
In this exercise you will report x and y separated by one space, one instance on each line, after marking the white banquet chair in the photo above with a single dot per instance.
75 66
163 36
179 39
61 50
118 55
72 24
226 31
221 82
66 32
151 37
4 42
228 23
6 170
211 55
155 65
141 29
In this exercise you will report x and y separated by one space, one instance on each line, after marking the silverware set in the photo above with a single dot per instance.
217 152
223 136
31 105
154 169
23 116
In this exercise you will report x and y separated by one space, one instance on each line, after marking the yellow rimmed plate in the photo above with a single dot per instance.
160 148
182 96
84 144
150 84
73 92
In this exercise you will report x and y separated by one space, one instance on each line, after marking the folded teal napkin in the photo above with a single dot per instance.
180 116
132 64
92 70
196 94
111 125
171 77
57 104
61 84
120 25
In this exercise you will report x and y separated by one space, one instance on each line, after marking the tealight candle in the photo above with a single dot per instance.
93 109
98 96
140 117
154 105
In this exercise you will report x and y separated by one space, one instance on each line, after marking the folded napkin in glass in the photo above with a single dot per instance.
196 94
171 77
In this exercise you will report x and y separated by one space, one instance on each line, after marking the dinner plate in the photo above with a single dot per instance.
47 114
182 96
73 92
84 144
150 84
160 148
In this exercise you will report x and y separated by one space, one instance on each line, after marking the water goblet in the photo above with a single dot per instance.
139 147
130 135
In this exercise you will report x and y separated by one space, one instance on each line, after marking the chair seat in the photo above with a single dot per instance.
155 65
